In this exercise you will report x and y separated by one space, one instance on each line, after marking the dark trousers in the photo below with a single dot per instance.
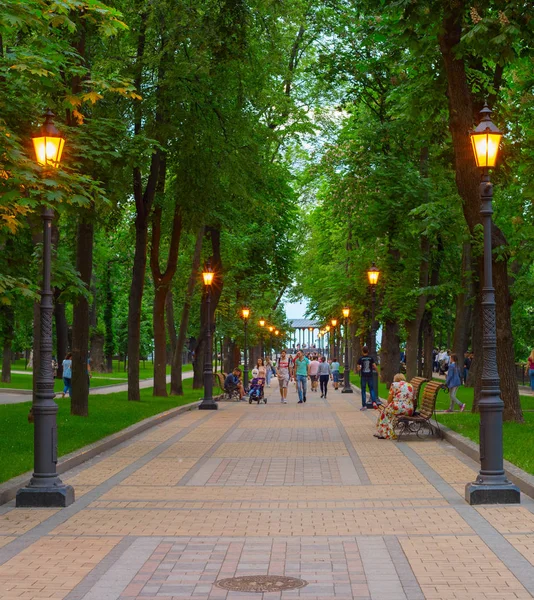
323 380
368 381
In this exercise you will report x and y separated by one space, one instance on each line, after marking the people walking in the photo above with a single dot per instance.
324 373
302 371
467 366
334 365
268 370
67 375
531 369
366 367
282 372
314 377
453 382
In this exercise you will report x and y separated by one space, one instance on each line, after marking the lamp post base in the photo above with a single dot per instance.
347 391
58 496
484 493
208 405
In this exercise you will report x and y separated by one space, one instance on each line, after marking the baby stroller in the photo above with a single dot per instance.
256 391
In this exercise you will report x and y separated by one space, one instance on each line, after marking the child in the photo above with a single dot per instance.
453 382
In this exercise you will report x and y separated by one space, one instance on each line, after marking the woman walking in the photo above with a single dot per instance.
268 370
453 382
324 372
67 375
531 369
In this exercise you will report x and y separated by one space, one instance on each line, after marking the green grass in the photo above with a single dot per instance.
21 381
107 414
516 436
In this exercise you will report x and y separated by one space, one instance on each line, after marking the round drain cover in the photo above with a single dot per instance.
261 583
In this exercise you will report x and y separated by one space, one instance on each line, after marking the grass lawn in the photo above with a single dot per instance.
516 437
24 381
107 414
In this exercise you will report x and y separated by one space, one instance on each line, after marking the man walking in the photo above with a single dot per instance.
302 368
366 366
314 379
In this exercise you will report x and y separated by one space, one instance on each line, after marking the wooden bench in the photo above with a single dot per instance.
218 380
416 383
420 423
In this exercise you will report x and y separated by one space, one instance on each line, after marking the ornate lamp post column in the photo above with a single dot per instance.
372 276
335 339
45 488
328 341
271 329
347 388
208 403
491 485
245 313
276 333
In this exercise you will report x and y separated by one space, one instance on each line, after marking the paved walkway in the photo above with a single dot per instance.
297 490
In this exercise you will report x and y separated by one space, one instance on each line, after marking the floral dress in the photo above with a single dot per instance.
401 404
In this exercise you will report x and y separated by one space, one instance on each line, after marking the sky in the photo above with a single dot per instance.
295 310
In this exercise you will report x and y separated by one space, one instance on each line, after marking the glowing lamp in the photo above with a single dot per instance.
485 139
49 144
346 313
334 322
262 322
245 313
276 332
271 329
208 275
373 274
327 328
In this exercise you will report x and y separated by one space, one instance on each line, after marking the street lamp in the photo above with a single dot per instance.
271 329
208 403
335 339
372 276
262 325
45 488
347 388
245 313
491 485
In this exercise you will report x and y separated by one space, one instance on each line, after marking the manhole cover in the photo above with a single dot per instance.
261 583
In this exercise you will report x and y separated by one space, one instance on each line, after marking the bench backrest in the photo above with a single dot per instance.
416 383
428 404
218 379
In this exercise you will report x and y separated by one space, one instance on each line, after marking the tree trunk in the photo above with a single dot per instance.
176 368
390 354
464 307
461 120
79 404
62 333
428 344
171 326
8 331
414 325
162 282
230 355
109 301
98 359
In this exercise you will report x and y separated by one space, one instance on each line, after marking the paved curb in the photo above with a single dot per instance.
8 489
16 391
523 480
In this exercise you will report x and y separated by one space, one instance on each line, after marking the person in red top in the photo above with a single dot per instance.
531 369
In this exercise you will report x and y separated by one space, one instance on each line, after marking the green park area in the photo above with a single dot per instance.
179 184
108 414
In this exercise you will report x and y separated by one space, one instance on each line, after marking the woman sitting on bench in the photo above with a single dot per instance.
400 402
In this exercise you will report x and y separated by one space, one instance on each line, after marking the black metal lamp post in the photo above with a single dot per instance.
208 403
491 485
328 343
45 488
347 388
262 325
372 276
245 313
276 333
271 329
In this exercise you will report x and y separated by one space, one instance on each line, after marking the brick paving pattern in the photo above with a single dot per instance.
303 491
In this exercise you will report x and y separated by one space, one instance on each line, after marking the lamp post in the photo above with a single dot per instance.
208 403
245 313
276 333
262 325
347 388
328 345
491 485
45 488
271 329
372 276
